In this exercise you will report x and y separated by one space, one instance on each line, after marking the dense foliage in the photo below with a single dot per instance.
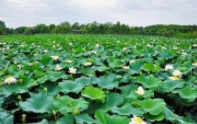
2 27
189 31
102 79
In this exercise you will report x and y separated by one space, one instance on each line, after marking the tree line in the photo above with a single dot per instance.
104 28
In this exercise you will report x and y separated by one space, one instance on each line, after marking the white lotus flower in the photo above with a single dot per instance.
194 45
19 66
148 45
57 68
136 120
131 61
55 57
45 51
93 51
175 48
70 44
72 70
68 61
195 64
184 54
124 49
97 45
140 91
125 67
87 63
169 67
10 80
176 75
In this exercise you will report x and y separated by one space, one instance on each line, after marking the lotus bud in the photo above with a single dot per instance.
54 112
76 111
45 89
23 119
19 97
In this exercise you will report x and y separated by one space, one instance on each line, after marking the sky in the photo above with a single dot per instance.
16 13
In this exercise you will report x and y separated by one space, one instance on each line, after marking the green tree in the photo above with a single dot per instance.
2 27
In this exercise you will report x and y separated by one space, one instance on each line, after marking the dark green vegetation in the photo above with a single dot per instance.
187 31
103 92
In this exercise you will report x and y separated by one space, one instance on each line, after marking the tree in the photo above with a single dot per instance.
64 27
21 30
50 28
41 29
75 26
94 28
2 27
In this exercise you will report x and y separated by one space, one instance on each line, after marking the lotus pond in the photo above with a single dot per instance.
97 79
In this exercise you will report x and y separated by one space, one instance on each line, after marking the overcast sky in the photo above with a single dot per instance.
17 13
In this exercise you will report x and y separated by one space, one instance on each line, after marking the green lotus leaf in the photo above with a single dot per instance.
188 93
113 99
3 71
12 69
101 68
187 64
52 88
53 76
107 81
128 110
153 118
158 68
38 103
170 85
5 117
149 67
67 119
77 50
151 52
93 93
4 63
38 72
65 104
84 80
70 86
125 90
113 62
135 67
1 100
169 115
150 82
104 118
165 55
26 82
88 71
84 118
42 80
12 89
46 60
153 106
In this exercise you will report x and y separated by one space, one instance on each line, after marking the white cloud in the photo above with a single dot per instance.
95 3
17 13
